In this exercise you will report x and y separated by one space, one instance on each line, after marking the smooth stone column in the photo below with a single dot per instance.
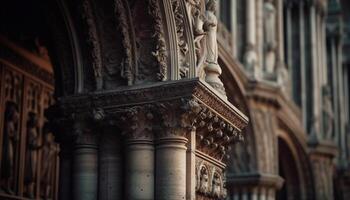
262 193
171 168
191 166
65 168
85 168
250 55
139 169
110 166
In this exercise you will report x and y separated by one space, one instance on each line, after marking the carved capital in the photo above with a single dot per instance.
137 122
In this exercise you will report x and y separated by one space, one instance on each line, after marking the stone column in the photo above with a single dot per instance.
315 74
139 153
289 35
250 56
110 165
139 169
302 54
85 167
321 157
65 168
191 166
171 167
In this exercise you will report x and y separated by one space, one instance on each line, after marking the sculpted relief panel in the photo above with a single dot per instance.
28 151
210 180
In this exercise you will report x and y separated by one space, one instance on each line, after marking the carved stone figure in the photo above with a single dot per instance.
31 157
328 115
204 180
10 138
210 26
270 36
216 186
49 153
198 32
212 68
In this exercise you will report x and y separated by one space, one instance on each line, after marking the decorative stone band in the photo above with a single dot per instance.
162 110
253 186
121 98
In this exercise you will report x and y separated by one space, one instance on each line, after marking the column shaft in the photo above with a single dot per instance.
110 167
171 168
85 172
139 169
65 169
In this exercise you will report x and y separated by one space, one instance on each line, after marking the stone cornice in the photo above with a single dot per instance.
254 179
323 148
25 62
113 101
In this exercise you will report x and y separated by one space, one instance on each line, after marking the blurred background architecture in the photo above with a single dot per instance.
175 99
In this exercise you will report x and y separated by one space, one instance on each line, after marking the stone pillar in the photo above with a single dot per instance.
289 35
171 167
191 166
315 74
302 54
65 168
139 172
250 56
110 165
321 156
85 167
137 128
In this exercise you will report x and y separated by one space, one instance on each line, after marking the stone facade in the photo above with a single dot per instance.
174 99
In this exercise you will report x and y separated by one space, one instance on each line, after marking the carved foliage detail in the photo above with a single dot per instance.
181 38
93 41
160 51
127 69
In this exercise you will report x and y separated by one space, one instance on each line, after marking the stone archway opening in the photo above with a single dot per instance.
288 171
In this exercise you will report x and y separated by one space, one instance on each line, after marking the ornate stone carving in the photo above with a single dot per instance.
171 90
94 43
270 36
137 122
128 65
26 66
31 157
181 38
203 180
160 50
210 183
212 68
48 161
10 139
328 114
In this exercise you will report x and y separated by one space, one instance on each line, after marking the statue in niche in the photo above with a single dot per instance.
198 22
270 36
328 115
10 139
210 26
49 152
204 180
31 156
216 186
